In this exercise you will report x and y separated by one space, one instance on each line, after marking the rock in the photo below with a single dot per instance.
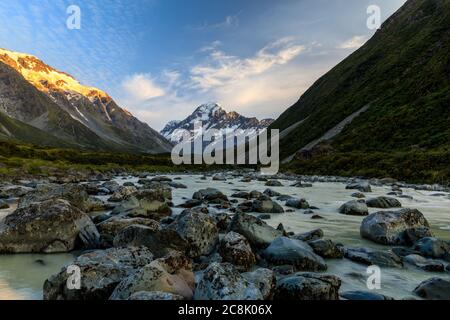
198 230
273 183
264 216
219 177
310 236
191 204
358 195
101 272
297 203
434 289
383 202
234 248
177 185
14 192
112 186
221 281
74 193
364 295
222 220
147 203
129 184
255 194
433 248
265 205
326 249
109 229
308 286
403 252
293 252
300 184
241 195
422 263
161 179
308 211
354 208
257 232
404 196
209 194
48 227
271 193
395 227
154 296
159 241
121 193
362 186
3 205
373 257
171 274
263 279
317 217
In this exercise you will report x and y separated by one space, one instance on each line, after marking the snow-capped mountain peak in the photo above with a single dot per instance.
213 116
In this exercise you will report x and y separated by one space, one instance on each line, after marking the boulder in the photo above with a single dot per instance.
14 191
219 177
326 249
424 264
121 193
47 227
395 227
308 286
222 281
271 193
192 203
101 272
309 236
199 230
3 205
112 186
241 195
383 203
358 195
294 252
177 185
209 194
159 241
263 279
297 203
434 289
362 186
373 257
433 248
109 228
364 295
257 232
255 194
234 248
265 205
273 183
354 208
171 274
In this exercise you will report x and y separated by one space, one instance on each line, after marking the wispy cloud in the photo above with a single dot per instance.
228 22
141 87
353 43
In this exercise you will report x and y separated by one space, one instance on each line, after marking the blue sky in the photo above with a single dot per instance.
162 58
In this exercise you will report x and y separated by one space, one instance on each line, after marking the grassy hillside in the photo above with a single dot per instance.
403 73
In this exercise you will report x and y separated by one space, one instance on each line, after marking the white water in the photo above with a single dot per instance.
22 278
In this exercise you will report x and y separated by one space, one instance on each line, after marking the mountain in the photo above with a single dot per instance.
64 112
391 96
214 116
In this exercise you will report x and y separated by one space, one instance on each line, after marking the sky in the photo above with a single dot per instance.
160 59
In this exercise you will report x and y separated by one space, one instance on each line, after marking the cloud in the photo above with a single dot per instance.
229 22
353 43
220 68
142 87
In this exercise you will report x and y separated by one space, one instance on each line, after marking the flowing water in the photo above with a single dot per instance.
22 276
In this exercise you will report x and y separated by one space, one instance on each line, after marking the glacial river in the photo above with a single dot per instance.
22 276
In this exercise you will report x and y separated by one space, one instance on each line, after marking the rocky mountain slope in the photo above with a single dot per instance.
399 79
214 116
64 112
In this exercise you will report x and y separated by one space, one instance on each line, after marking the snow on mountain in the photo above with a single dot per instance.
213 116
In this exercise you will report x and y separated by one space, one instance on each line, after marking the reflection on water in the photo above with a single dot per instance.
22 276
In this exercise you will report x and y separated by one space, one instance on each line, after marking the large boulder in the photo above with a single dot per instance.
101 271
160 241
147 203
209 194
297 203
395 227
424 264
308 286
263 279
326 249
256 231
222 281
121 193
434 289
234 248
354 208
199 230
287 251
172 274
433 248
47 227
265 205
373 257
310 235
383 203
14 191
362 186
111 227
73 192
